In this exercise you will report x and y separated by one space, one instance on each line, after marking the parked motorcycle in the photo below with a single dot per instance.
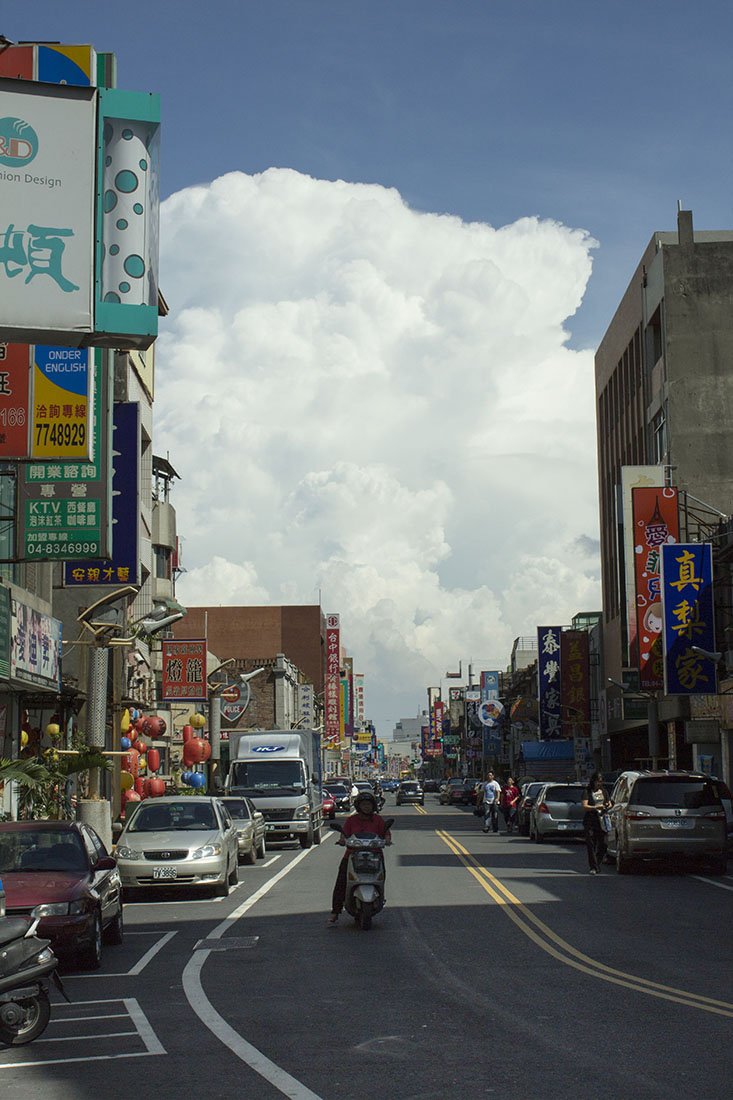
364 874
26 964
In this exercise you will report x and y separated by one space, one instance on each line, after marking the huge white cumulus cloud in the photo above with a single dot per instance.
378 405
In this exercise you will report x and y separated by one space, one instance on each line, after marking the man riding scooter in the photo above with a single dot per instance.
365 819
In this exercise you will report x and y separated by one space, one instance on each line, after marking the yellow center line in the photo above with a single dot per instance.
569 955
419 809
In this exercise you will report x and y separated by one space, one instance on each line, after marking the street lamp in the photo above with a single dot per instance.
214 693
652 716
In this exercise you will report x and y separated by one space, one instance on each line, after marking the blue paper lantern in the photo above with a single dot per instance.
125 742
198 779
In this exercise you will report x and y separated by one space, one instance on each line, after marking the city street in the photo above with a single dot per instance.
498 968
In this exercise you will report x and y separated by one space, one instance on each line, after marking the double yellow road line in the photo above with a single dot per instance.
559 949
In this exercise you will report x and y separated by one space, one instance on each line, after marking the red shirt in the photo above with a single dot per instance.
374 824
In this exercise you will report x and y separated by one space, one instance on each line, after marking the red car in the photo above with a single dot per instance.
60 872
329 806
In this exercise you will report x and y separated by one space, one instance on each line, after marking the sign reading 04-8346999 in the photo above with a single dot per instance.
79 195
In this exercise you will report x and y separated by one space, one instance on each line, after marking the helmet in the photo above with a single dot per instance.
365 796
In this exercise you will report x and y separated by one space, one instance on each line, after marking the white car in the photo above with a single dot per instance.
179 841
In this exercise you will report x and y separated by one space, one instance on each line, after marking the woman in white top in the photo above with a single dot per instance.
595 803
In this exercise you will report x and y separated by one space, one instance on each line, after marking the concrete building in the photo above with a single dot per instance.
664 398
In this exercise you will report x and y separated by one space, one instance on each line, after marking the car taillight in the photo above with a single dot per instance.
718 815
635 815
542 808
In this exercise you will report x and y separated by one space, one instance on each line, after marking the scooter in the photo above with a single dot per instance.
26 964
364 874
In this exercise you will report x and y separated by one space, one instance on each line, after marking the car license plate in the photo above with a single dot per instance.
165 872
677 823
570 825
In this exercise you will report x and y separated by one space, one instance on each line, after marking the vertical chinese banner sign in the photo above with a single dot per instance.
656 524
549 682
575 680
687 593
332 701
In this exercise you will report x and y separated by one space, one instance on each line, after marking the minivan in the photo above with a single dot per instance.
667 815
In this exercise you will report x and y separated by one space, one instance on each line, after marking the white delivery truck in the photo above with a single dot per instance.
280 770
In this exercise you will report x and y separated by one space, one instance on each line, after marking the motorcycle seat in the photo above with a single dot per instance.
13 928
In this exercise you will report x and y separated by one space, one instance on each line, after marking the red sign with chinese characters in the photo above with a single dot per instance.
575 681
332 689
656 523
184 670
14 388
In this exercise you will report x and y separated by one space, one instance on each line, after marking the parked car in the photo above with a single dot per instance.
557 811
526 802
410 791
179 841
61 872
458 791
339 792
250 825
668 815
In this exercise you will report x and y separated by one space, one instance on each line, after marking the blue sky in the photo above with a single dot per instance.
406 354
601 116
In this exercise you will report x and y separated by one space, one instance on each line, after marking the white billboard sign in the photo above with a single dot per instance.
47 199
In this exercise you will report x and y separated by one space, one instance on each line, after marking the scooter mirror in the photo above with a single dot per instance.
389 822
335 826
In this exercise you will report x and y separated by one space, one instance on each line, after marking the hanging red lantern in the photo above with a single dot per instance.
153 760
187 733
155 726
195 751
132 733
154 787
139 786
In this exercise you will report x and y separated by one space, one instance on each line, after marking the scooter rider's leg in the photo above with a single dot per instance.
339 892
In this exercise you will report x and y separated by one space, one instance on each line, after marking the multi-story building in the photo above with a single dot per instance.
664 399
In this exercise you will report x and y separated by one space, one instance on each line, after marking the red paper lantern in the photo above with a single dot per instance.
195 751
153 760
154 787
139 786
155 726
187 733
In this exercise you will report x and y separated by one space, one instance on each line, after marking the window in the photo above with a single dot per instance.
658 429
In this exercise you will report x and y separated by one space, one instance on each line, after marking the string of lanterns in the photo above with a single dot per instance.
140 762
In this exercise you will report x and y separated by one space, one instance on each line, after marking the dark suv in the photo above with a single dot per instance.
667 815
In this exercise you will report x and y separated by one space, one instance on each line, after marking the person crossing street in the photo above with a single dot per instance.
492 794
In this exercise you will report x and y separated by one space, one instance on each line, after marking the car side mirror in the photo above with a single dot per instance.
106 863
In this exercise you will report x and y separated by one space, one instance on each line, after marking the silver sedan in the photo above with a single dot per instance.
250 826
174 841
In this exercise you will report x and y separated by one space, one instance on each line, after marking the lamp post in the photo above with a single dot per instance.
214 693
652 717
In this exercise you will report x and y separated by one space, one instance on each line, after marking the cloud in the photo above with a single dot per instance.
380 405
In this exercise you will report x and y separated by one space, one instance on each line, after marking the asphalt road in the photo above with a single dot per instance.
498 968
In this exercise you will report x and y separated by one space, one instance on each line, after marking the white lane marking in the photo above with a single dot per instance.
218 1026
712 881
97 1038
270 862
142 1029
137 968
145 1031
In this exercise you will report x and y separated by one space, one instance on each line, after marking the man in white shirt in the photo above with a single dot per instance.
492 794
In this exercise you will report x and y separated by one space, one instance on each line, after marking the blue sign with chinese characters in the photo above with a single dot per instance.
549 682
687 595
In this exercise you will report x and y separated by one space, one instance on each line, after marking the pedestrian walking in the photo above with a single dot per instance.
596 804
492 794
509 803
